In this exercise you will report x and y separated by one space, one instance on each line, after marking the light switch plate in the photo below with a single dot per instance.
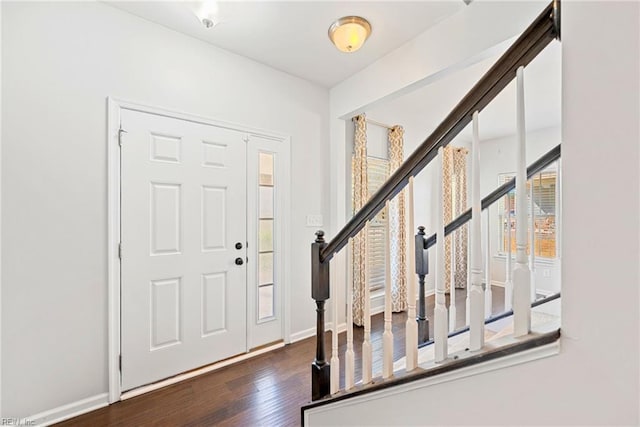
314 220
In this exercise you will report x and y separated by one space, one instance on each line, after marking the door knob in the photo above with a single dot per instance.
239 261
238 245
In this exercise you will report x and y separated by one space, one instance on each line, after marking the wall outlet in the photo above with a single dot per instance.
314 220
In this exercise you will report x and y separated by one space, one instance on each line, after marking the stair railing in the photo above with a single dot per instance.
424 243
543 30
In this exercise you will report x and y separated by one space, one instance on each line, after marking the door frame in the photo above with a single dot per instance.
114 108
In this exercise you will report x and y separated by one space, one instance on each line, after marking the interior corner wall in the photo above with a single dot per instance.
60 62
594 379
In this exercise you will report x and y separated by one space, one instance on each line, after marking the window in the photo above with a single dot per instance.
265 237
377 174
545 200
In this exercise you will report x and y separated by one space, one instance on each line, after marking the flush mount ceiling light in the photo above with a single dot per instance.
349 33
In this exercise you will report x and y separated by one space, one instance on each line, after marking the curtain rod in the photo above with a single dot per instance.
373 122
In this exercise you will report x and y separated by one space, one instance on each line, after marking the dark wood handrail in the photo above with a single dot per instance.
544 161
534 39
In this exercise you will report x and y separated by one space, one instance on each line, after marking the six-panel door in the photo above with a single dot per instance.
183 290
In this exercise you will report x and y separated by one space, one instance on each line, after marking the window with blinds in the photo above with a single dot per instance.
377 173
545 200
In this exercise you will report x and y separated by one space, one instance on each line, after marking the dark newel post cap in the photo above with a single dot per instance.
421 230
319 236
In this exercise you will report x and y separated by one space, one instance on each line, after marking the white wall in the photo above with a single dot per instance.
594 380
61 61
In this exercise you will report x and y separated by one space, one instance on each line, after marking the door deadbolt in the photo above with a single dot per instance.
238 245
239 261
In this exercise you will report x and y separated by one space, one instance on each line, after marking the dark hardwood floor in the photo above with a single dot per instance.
267 390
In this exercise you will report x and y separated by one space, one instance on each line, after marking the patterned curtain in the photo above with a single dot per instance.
359 181
455 203
398 244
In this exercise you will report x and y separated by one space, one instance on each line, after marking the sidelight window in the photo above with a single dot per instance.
266 229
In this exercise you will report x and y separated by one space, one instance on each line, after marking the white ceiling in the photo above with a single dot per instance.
292 36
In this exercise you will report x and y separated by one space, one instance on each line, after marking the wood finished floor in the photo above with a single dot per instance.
267 390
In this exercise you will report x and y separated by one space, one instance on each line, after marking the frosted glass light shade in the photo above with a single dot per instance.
349 33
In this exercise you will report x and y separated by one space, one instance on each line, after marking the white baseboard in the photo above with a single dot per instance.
341 327
544 292
430 293
377 302
67 411
311 332
497 283
299 336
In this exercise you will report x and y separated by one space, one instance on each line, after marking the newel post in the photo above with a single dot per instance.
422 269
320 369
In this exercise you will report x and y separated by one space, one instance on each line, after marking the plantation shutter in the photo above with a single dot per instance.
378 172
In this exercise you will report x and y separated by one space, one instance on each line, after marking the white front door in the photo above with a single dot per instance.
183 233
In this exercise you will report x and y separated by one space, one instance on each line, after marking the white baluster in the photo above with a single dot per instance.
334 384
532 240
411 327
467 305
521 273
454 253
440 311
387 336
508 283
476 313
452 281
349 357
488 293
366 343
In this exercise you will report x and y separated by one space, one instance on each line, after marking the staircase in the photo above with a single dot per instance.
451 351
